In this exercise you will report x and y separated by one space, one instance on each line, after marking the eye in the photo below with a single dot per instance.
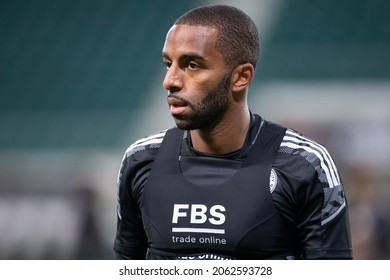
193 66
167 64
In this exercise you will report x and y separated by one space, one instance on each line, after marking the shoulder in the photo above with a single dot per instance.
308 171
303 150
139 155
135 166
150 142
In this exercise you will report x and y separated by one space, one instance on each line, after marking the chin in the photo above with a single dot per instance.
183 124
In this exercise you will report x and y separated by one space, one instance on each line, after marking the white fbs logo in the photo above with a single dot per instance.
198 214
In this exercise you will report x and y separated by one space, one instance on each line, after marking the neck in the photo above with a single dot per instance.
226 137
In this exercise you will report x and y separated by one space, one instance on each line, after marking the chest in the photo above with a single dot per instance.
207 204
230 209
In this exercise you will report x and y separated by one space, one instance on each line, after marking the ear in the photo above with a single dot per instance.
242 77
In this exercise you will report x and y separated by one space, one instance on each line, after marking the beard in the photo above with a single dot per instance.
210 110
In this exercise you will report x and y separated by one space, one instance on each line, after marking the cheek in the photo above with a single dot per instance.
199 85
200 88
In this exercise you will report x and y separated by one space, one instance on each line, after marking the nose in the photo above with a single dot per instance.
172 81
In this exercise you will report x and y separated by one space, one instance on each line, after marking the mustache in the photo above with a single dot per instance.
177 98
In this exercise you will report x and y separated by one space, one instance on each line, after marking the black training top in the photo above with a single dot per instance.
279 197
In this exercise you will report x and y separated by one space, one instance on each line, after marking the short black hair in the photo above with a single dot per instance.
238 37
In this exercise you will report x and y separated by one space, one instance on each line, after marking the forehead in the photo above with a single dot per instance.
183 39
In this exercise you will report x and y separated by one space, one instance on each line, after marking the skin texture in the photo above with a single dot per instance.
204 95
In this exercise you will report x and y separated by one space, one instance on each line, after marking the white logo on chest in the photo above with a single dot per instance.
198 214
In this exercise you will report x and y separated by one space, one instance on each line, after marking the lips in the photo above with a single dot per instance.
177 106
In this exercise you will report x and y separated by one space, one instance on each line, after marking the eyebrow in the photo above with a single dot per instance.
187 56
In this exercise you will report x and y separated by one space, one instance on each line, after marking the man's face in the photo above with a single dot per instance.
197 81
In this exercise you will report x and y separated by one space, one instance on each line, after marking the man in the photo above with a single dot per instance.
225 183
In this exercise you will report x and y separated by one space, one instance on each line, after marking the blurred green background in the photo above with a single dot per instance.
81 80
